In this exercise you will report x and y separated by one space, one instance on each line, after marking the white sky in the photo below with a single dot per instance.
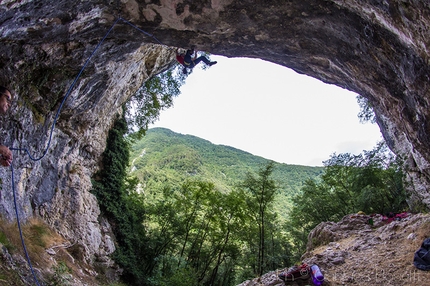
269 111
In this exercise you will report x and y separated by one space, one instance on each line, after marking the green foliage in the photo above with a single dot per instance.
366 113
60 276
169 274
371 182
120 204
3 238
192 202
164 157
197 230
198 235
155 94
261 192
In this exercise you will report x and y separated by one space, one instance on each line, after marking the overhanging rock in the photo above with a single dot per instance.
378 49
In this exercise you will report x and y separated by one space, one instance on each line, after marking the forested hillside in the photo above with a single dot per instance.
163 157
193 213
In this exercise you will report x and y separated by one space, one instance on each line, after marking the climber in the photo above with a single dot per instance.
190 60
5 103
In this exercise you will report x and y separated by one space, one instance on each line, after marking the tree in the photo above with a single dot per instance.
371 182
154 95
366 113
196 230
262 190
231 219
120 204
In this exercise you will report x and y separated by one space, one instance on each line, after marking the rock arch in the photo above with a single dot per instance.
377 48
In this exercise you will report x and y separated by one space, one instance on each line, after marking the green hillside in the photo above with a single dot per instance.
165 158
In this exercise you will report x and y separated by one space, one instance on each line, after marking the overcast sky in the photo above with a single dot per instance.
269 111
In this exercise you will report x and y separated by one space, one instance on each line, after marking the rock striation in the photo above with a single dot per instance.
378 49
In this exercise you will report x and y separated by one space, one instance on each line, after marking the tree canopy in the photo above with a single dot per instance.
371 182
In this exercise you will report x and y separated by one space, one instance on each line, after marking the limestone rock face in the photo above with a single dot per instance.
43 50
379 49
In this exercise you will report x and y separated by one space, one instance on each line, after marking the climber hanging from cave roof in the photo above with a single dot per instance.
189 59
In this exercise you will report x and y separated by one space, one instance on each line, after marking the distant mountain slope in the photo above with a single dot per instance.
164 157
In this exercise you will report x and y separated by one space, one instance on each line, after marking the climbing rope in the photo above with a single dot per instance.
20 231
65 98
52 130
137 28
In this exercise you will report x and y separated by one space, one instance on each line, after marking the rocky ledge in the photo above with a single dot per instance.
354 252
